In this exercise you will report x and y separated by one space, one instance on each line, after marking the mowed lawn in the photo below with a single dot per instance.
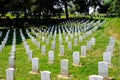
89 64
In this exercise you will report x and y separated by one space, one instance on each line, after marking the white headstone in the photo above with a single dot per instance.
0 48
43 49
35 41
53 45
93 41
66 38
11 62
43 38
62 50
35 64
95 77
71 36
83 51
110 49
12 52
38 44
10 74
80 38
27 48
51 56
30 54
75 41
107 57
89 45
45 75
3 44
103 69
13 47
112 41
64 67
76 58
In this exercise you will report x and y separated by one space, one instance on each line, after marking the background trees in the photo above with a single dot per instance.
47 8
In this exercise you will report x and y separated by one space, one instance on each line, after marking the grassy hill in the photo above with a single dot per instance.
90 63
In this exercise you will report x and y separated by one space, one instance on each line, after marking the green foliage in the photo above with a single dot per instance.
106 2
115 6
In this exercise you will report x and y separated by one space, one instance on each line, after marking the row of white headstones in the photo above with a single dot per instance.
76 40
71 30
3 43
9 74
35 61
104 65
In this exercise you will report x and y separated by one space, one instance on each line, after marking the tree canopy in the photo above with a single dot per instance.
48 8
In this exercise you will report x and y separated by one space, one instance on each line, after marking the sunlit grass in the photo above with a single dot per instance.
90 63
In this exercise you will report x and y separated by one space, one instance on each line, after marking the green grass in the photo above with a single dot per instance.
90 63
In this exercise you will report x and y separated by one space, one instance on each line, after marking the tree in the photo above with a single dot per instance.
66 8
115 7
5 6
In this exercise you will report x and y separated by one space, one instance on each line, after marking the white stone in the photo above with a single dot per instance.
51 56
43 49
13 47
111 43
83 51
76 58
12 53
10 74
107 57
112 38
66 38
62 50
64 67
3 44
53 45
71 36
27 48
80 38
38 44
95 77
43 38
93 41
110 49
30 54
103 69
11 62
35 64
35 41
89 45
45 75
75 41
0 48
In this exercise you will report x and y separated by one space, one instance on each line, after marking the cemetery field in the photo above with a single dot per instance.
111 28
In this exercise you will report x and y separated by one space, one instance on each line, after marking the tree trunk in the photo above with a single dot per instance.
66 9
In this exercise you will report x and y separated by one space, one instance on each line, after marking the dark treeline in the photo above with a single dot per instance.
34 11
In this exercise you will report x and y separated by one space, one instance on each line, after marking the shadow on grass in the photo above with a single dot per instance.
10 39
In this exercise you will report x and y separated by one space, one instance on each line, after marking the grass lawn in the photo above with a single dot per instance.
90 63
